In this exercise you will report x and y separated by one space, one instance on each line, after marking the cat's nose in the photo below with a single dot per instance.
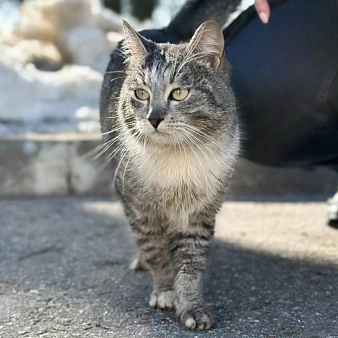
155 121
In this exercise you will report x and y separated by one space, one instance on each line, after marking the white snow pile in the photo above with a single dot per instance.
51 65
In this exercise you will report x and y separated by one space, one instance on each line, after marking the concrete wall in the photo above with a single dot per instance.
62 164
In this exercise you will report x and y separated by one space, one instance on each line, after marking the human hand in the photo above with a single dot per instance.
263 10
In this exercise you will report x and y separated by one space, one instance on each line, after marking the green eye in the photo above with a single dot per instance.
142 94
179 94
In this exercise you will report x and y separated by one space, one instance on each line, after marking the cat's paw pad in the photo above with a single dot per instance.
162 299
197 319
138 264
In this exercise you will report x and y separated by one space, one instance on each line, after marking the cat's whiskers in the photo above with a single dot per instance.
125 169
121 52
194 143
192 138
144 144
90 154
188 142
131 154
108 146
209 139
99 148
114 72
204 136
123 154
210 150
115 151
180 144
117 78
112 130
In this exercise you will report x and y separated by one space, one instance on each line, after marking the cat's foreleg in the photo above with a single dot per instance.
153 248
190 251
138 263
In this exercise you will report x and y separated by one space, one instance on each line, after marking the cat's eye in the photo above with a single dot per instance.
142 94
179 94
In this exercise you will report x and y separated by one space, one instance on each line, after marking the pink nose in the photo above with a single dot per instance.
155 122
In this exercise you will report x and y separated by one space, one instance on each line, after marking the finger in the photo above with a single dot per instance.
263 10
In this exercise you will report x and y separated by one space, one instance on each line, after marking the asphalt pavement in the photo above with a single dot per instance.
64 271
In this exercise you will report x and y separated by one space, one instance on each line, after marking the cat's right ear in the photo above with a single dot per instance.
134 43
208 44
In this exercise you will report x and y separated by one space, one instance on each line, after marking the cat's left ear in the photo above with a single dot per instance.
208 44
134 43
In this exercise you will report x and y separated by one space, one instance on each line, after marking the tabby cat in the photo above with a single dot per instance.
170 118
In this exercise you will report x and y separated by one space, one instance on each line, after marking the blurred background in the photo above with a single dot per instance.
53 54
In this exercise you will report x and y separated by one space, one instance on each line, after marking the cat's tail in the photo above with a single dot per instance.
195 12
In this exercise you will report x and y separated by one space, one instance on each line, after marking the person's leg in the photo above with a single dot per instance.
285 77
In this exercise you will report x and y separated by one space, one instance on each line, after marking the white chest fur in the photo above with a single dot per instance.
182 181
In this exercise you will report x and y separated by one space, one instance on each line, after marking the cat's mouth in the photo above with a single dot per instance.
163 135
160 137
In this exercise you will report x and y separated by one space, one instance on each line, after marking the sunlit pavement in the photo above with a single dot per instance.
272 272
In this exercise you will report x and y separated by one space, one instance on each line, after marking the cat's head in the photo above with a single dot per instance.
175 94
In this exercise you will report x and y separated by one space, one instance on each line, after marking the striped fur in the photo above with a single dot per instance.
172 180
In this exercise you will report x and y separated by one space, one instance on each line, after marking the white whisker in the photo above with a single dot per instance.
112 130
117 78
114 71
209 139
187 140
181 144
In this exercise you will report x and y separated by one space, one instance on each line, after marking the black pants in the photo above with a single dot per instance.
285 76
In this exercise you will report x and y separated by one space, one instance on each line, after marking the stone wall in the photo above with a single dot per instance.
65 163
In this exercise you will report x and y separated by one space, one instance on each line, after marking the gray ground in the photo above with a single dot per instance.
64 272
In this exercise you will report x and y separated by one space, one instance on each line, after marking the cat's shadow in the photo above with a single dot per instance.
254 293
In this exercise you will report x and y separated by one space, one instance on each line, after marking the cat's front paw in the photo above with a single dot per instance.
197 318
162 299
138 264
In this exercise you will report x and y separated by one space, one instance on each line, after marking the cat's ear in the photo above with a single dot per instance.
134 43
208 44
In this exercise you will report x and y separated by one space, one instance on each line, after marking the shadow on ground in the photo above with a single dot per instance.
64 273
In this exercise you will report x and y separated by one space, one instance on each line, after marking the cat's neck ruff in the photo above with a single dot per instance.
171 166
183 182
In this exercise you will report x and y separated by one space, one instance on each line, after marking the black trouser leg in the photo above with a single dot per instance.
285 77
